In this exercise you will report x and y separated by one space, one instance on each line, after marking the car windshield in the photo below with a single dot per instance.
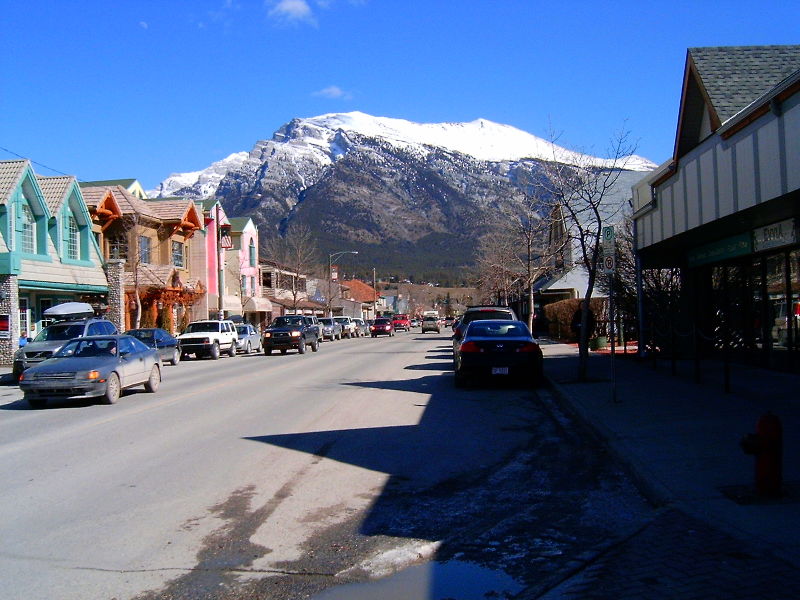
326 321
94 347
382 322
202 327
287 321
242 330
498 329
486 314
145 335
59 332
342 319
430 319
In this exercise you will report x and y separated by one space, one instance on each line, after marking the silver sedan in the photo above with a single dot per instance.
92 367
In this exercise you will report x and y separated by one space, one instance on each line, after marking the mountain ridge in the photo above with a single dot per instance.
413 196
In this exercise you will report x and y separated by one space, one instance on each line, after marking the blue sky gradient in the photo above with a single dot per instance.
105 90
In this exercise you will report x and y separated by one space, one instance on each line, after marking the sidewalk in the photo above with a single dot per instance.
680 441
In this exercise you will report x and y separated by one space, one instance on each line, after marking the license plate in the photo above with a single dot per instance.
499 370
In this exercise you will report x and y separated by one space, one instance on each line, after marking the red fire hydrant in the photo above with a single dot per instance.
766 444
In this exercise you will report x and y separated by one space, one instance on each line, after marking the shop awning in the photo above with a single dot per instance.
254 304
232 304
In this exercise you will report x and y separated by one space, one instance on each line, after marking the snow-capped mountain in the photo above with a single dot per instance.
317 139
401 191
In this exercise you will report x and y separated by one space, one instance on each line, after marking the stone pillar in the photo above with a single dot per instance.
115 274
9 305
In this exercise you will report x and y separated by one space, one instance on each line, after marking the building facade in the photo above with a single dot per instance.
725 208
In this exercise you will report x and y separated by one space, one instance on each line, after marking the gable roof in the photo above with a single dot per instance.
719 82
126 183
734 76
360 291
238 223
55 190
11 172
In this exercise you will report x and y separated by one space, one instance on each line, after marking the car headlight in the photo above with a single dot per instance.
295 334
267 334
93 375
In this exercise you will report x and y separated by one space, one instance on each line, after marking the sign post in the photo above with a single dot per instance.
609 267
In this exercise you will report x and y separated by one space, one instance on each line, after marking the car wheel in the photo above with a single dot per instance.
232 350
151 385
267 351
315 346
247 348
214 353
302 347
176 357
283 350
112 389
184 355
35 402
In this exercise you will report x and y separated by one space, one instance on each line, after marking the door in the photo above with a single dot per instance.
132 363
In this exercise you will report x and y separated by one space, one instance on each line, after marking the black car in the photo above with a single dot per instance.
499 350
474 313
381 327
290 332
168 347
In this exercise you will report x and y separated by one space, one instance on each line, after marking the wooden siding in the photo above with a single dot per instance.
723 176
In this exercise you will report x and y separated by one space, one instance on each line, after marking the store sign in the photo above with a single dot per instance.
776 235
738 245
5 329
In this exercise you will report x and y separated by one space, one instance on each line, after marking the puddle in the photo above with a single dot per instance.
453 580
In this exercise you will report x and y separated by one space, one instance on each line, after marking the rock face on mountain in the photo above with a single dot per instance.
410 197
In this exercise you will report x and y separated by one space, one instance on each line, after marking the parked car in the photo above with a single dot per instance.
382 326
348 326
331 329
92 367
498 349
480 312
314 321
290 332
167 346
415 323
51 339
401 321
361 327
248 339
208 338
430 324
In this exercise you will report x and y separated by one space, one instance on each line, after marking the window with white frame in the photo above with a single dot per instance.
252 253
178 254
28 231
73 239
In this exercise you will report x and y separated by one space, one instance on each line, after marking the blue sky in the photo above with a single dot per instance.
106 90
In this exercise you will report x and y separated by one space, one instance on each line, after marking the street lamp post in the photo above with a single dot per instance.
330 275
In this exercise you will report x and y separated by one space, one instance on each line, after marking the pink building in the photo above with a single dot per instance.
242 268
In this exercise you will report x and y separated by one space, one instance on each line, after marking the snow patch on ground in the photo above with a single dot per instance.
390 561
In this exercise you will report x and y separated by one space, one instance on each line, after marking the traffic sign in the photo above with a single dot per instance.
609 264
608 237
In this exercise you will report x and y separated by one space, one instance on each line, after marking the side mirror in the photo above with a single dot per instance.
124 354
29 339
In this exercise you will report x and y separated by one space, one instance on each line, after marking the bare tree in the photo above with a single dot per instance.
583 190
495 254
296 251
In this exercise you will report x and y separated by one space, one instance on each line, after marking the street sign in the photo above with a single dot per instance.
609 264
608 239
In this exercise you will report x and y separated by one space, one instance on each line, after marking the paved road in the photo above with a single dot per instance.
251 468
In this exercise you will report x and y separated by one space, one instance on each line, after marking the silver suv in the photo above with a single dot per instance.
53 337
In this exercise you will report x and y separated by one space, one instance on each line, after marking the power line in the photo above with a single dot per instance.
38 164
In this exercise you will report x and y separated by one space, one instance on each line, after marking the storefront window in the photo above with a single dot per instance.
794 311
776 298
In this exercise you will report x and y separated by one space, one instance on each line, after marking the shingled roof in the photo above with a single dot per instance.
55 190
735 76
10 173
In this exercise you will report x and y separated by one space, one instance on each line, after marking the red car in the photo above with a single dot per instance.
401 321
381 327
